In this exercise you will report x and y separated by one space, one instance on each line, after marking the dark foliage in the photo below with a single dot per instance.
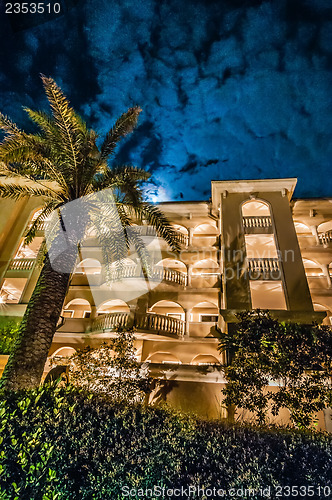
61 443
295 357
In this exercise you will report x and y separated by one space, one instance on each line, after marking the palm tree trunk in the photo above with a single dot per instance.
25 366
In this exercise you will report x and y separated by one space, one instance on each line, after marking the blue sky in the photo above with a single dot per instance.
229 90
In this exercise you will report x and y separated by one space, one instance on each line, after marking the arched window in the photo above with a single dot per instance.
168 308
112 306
205 312
77 308
255 208
204 359
88 266
163 357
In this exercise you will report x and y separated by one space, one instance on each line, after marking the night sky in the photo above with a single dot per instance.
229 89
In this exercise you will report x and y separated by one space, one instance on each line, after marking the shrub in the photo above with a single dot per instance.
111 369
297 357
61 443
8 334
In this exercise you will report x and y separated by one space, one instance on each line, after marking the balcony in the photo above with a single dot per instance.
154 323
21 264
159 273
257 224
264 269
325 238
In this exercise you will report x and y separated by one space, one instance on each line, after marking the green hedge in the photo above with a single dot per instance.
8 332
62 444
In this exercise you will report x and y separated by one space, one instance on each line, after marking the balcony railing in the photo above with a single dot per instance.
21 264
155 323
253 223
110 321
325 238
158 323
264 268
159 273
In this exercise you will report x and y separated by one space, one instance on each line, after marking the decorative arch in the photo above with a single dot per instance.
324 227
205 266
168 308
163 357
205 312
171 263
112 306
205 229
64 352
312 268
300 227
204 359
88 266
181 229
77 308
256 208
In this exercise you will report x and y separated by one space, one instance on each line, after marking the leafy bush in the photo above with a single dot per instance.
111 369
8 334
297 357
61 443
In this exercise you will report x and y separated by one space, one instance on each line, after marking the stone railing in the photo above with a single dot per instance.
158 273
21 264
110 321
158 323
264 268
155 323
325 238
252 223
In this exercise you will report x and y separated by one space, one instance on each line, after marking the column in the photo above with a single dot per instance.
187 321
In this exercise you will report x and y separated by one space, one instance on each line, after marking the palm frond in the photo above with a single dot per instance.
123 126
8 126
153 216
65 119
17 191
42 119
33 228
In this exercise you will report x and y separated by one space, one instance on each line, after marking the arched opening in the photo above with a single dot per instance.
77 308
168 308
12 290
261 246
312 268
301 228
324 227
163 357
64 352
204 312
113 306
205 267
180 229
174 264
255 208
88 266
205 230
321 308
204 359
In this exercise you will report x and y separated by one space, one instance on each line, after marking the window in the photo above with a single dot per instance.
86 314
208 318
68 313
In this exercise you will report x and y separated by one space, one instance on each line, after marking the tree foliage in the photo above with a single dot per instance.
297 358
111 369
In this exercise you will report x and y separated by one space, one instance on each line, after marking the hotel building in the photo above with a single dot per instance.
250 246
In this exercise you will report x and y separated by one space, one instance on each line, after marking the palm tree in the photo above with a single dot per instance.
63 165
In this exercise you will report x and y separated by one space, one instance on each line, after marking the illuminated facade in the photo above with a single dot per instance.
250 246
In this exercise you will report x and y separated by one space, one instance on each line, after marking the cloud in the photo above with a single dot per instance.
228 89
